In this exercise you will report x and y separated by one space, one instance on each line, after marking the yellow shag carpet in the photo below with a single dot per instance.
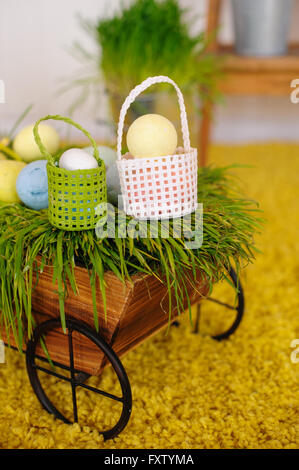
189 390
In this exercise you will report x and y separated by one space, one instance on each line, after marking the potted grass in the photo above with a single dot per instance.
151 38
261 26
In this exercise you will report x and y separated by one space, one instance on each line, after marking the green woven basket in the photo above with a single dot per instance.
76 198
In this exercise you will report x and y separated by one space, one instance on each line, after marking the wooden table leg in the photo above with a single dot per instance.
204 134
213 15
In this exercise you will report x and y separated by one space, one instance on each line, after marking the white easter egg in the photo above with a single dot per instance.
25 146
77 159
151 135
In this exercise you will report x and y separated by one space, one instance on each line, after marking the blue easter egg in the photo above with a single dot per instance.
32 185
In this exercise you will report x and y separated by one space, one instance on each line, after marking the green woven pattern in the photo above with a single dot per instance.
74 195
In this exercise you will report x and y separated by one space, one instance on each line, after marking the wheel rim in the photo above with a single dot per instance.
92 335
239 308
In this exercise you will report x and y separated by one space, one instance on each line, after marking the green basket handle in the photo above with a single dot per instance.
43 149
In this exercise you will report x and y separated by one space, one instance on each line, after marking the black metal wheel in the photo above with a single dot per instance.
238 307
77 378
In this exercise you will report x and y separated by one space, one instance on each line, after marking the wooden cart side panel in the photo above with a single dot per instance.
88 358
80 306
148 312
135 311
45 306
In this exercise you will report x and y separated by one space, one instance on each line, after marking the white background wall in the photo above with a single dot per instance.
34 63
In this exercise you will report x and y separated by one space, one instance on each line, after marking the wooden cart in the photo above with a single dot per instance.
135 311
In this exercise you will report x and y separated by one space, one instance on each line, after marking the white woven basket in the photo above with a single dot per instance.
162 187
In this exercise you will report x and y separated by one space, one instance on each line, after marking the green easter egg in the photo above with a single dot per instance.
109 157
107 154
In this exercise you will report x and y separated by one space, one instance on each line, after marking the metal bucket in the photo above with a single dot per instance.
261 26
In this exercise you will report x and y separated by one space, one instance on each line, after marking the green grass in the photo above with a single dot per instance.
229 224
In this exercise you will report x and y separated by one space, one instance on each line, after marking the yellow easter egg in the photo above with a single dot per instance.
151 135
24 144
9 171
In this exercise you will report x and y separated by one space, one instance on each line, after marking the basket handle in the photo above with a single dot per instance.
133 95
56 117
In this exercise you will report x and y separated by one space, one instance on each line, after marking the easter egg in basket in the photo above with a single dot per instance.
77 159
151 135
32 185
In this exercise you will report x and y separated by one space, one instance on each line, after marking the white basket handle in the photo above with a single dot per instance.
133 95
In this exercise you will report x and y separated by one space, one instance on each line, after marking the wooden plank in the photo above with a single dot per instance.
267 84
269 76
45 300
148 311
235 62
88 358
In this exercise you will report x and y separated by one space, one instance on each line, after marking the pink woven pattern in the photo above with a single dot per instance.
162 187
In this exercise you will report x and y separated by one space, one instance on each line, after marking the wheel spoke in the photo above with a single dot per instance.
80 384
221 303
56 364
101 392
51 372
